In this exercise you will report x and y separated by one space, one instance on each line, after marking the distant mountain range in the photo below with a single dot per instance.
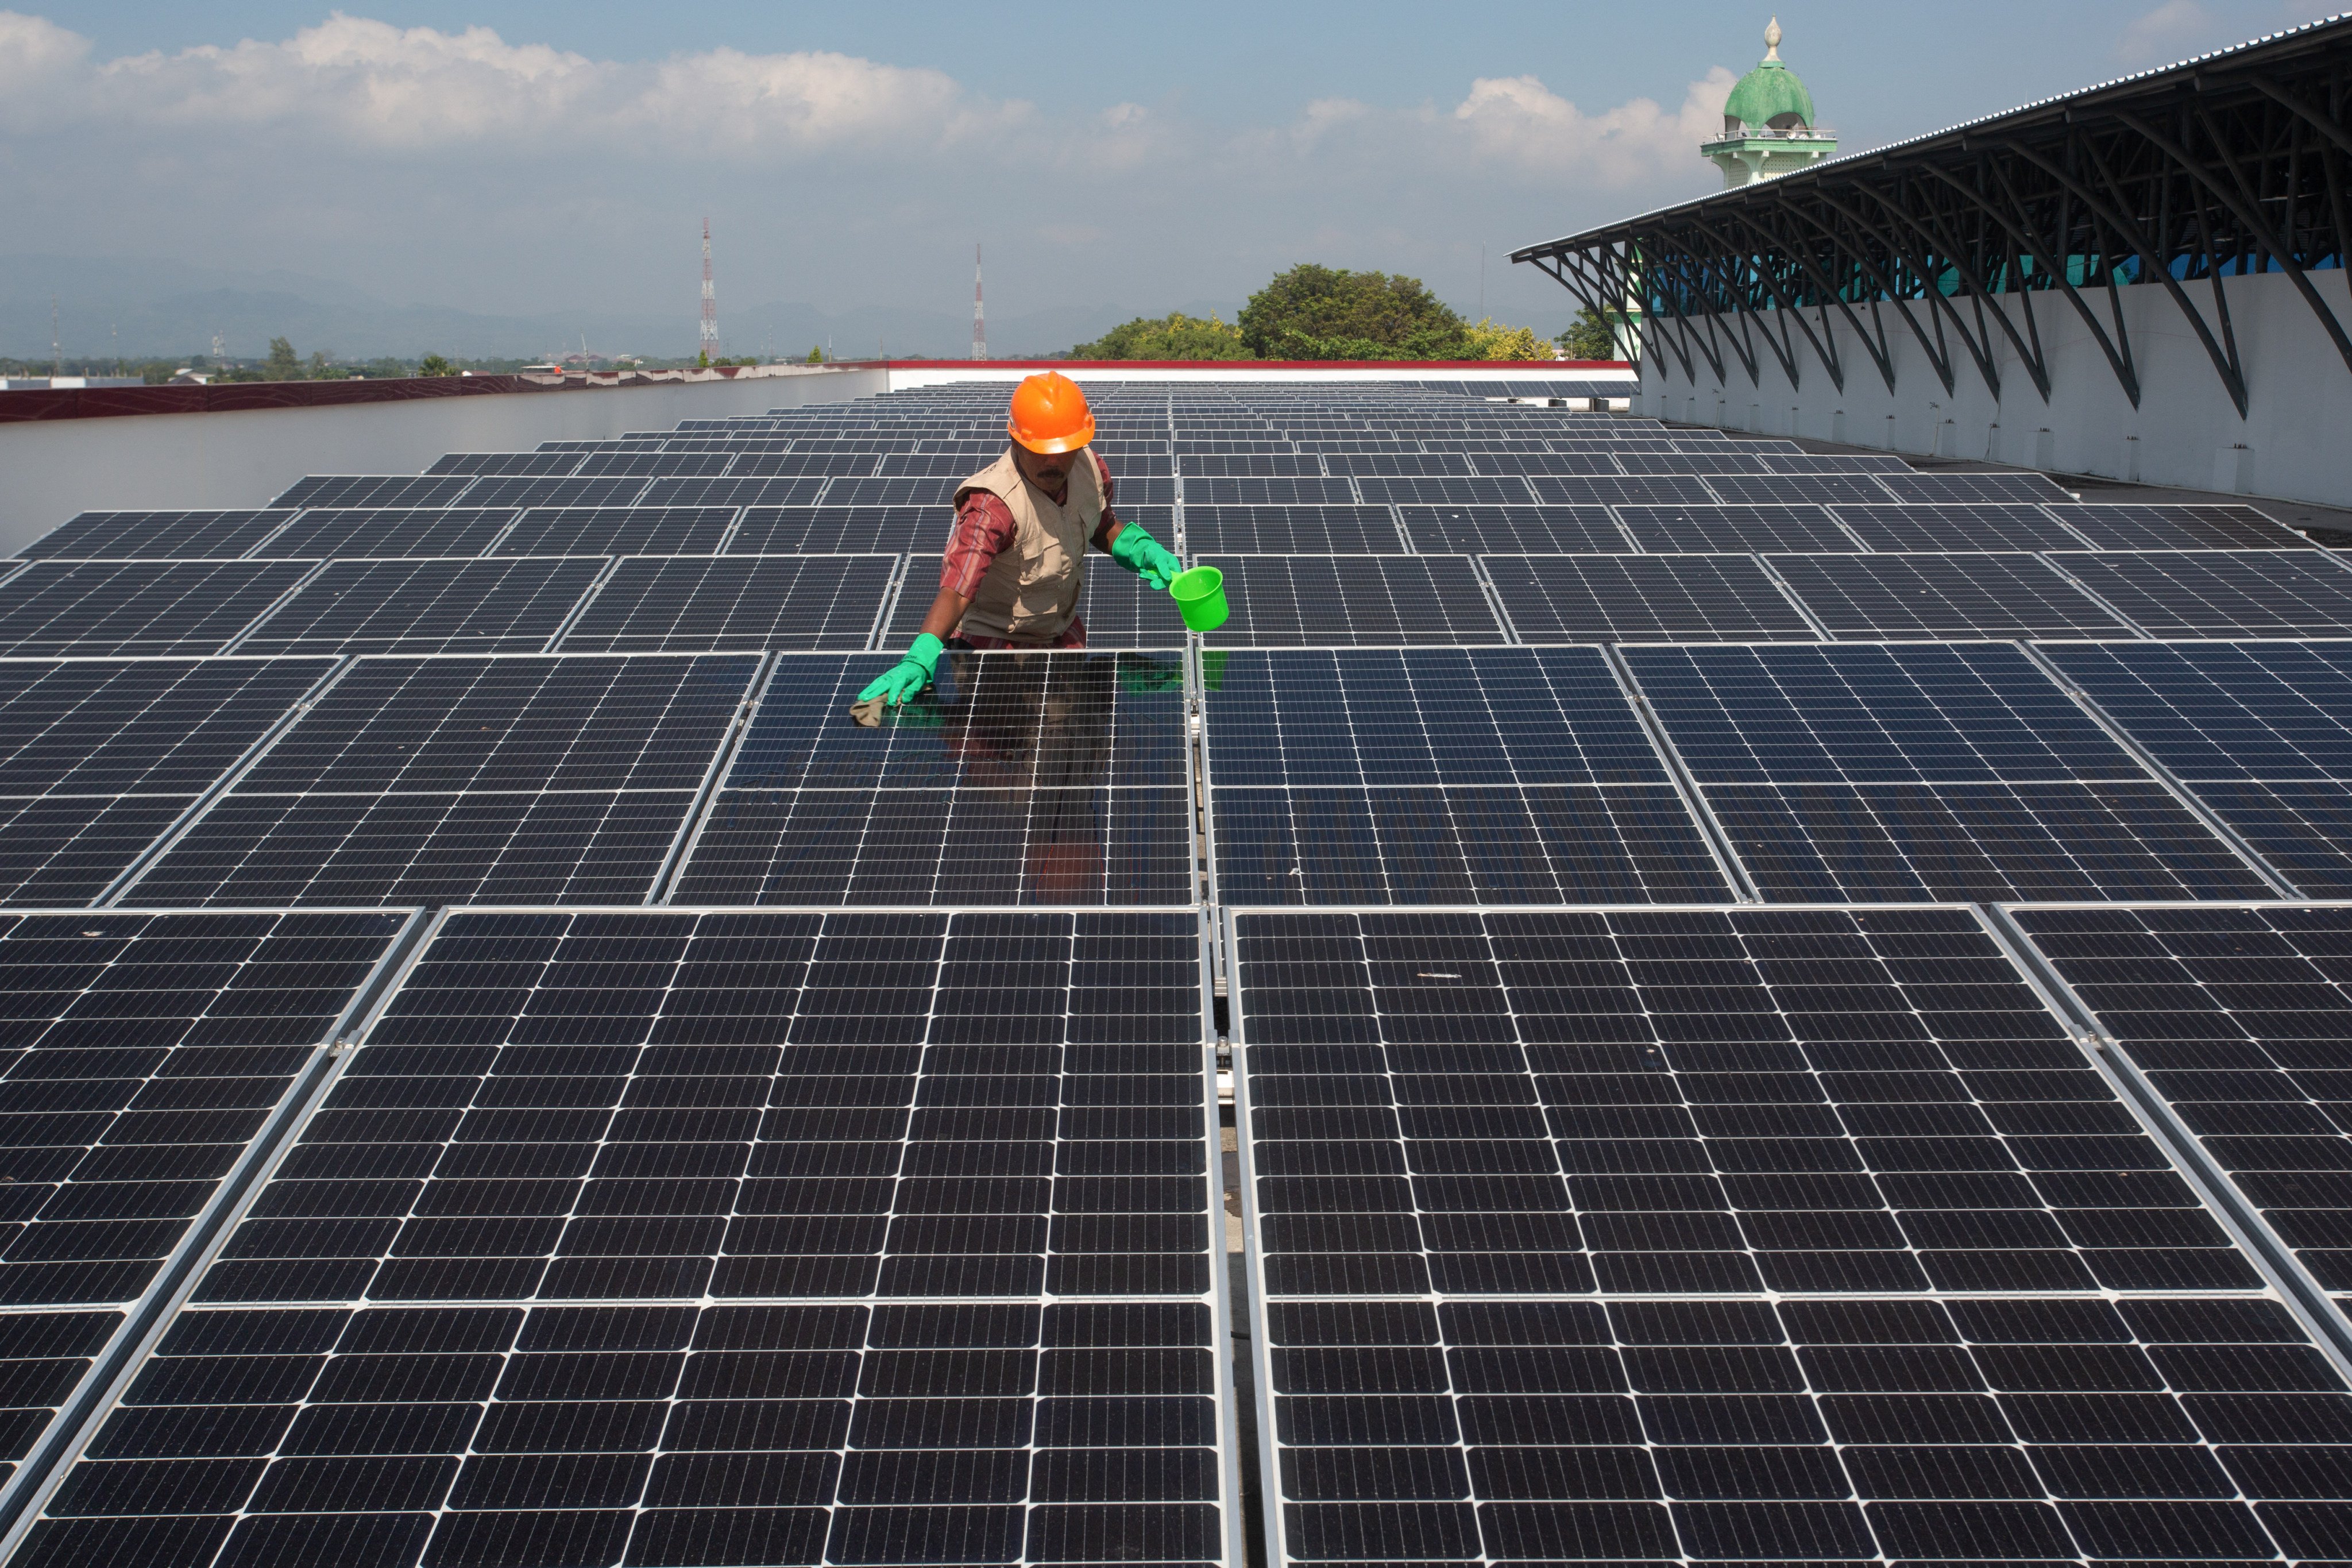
144 307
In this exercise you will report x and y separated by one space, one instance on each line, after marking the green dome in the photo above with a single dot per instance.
1770 94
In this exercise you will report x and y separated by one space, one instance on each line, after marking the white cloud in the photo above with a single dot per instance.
1517 120
2164 34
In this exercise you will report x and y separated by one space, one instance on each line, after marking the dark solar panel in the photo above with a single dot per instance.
1021 778
1972 487
663 464
1284 465
2261 732
619 530
1505 491
2217 593
137 607
1407 776
1598 490
507 605
1989 596
325 532
1509 530
1268 493
539 464
528 492
1398 465
375 491
1857 772
1860 489
2179 527
731 492
1291 530
1707 463
1850 1241
933 492
1305 600
157 535
1700 530
1642 598
760 1256
1547 462
842 530
1984 525
712 604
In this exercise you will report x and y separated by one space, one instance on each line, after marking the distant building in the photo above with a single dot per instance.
65 383
1769 128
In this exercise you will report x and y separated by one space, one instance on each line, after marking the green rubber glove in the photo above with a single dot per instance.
1145 556
909 676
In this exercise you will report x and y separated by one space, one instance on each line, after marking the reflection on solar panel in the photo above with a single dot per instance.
2261 732
1291 530
840 530
731 492
1642 598
1117 609
1505 491
1288 601
884 1239
1596 490
2179 527
1506 530
1674 529
619 530
450 780
1950 771
1438 776
2236 1017
375 491
710 603
1427 1111
1989 525
325 532
157 535
2006 596
2219 592
1028 778
502 605
137 607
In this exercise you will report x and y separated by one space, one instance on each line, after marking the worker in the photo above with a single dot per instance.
1015 562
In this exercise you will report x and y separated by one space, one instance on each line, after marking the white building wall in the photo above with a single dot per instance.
2186 432
50 470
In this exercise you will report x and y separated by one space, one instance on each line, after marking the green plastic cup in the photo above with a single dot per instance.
1200 595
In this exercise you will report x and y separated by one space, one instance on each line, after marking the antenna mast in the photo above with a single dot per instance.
979 317
709 301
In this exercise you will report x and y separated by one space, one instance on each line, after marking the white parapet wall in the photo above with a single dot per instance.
52 469
2186 432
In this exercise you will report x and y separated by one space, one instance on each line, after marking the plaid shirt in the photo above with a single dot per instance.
983 526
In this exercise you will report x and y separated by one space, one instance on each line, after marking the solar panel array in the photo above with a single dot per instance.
1770 1007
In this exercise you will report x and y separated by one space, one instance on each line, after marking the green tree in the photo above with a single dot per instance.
1173 336
1589 337
434 364
282 364
1489 340
816 353
1324 312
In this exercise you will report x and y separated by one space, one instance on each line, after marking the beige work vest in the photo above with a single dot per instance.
1030 592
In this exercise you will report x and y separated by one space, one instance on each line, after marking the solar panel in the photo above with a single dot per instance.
1408 776
325 532
1116 607
923 492
2217 593
619 530
101 607
1504 491
1872 773
374 490
861 1238
1639 598
1291 530
1947 487
2235 1017
2179 527
818 463
528 492
456 780
1396 465
1708 463
1305 600
156 535
1508 530
1849 1244
1282 465
1697 530
1989 596
1028 778
1986 525
1268 493
539 463
651 465
839 530
504 604
1862 490
2261 732
1598 490
1549 462
712 604
732 492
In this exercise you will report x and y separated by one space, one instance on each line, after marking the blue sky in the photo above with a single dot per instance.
507 158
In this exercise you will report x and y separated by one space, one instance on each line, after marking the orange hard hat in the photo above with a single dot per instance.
1050 414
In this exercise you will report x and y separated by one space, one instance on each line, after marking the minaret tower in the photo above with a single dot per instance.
979 317
709 301
1768 128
